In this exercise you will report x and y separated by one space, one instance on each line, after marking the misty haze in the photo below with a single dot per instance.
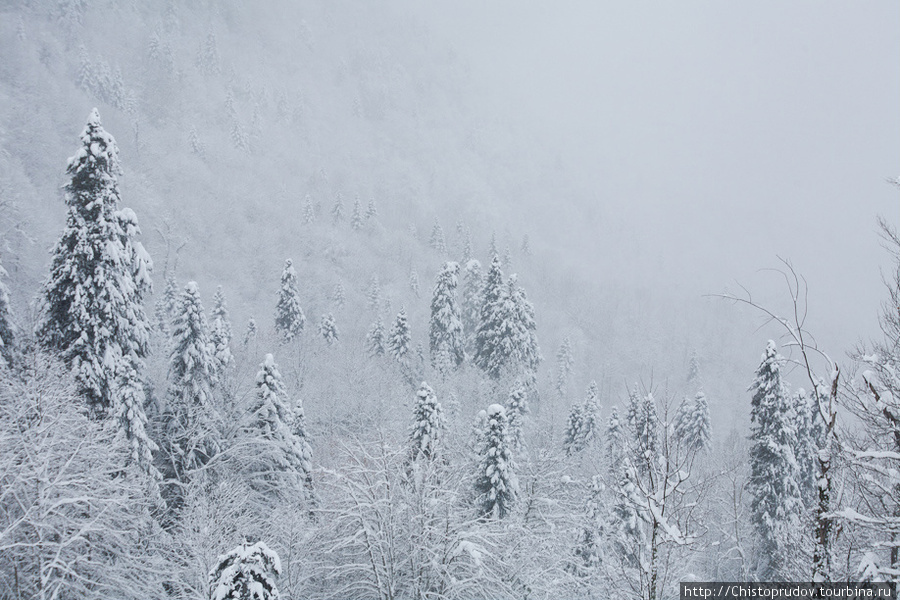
391 299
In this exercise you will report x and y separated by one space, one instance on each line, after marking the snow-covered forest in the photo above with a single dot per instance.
289 310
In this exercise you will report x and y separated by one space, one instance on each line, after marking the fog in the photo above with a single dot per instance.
708 138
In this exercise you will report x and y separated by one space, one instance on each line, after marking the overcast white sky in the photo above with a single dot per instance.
714 135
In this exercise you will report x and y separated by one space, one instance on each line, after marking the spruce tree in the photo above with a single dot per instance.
693 376
776 501
692 426
245 573
399 340
614 441
356 218
428 425
309 213
436 241
337 211
251 332
526 245
128 409
94 297
371 210
590 423
807 444
338 296
373 295
496 486
7 329
526 351
574 425
272 420
473 284
220 334
414 282
564 363
490 355
328 329
517 408
289 317
192 435
445 335
376 338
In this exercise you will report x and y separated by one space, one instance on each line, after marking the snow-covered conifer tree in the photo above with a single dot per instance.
399 340
467 247
776 504
496 485
445 335
289 317
371 210
328 329
516 409
489 352
338 296
251 332
589 548
414 282
373 295
807 444
436 241
128 409
692 426
527 352
356 218
428 425
507 258
192 435
246 573
492 249
376 338
526 245
564 363
94 297
309 213
7 329
574 425
220 334
693 376
590 423
272 420
337 211
473 284
614 440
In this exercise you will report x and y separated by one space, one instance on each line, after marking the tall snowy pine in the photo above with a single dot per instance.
94 298
192 436
220 335
428 425
776 504
496 486
692 423
272 420
289 317
516 409
490 354
445 334
473 283
399 340
376 338
328 329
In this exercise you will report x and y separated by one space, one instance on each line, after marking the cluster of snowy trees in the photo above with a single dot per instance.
207 483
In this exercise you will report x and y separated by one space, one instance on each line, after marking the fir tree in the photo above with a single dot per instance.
399 340
614 441
272 419
309 213
414 282
376 338
807 444
371 210
589 548
373 295
507 258
574 425
289 317
492 249
356 218
517 408
328 329
445 333
94 298
338 296
128 410
337 210
527 351
692 423
246 573
220 334
489 354
251 332
194 416
564 363
467 247
526 246
590 424
7 328
693 376
473 284
428 425
496 486
776 503
436 241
